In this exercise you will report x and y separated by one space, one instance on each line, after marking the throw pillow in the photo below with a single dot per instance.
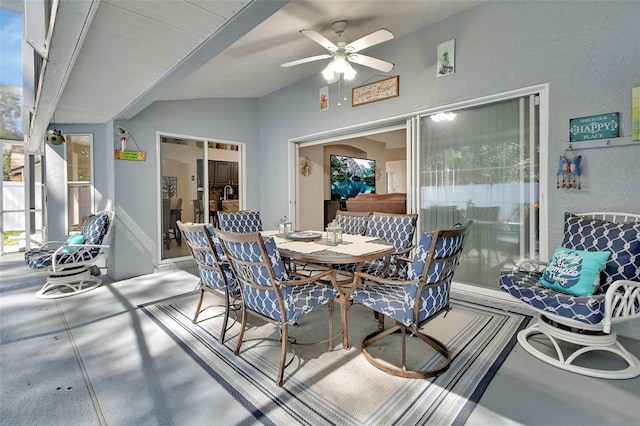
621 239
73 239
574 272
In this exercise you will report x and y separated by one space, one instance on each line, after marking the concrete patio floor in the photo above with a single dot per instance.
96 358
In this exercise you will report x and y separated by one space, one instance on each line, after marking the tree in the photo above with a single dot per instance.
10 114
6 163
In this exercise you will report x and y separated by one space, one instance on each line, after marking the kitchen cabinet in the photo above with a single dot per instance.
225 173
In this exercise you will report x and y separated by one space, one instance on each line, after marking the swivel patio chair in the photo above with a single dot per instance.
591 283
216 276
68 265
244 221
273 294
412 300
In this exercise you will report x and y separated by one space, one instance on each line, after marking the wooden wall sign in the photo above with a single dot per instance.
377 91
601 126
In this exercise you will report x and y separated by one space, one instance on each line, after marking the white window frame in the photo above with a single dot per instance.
69 183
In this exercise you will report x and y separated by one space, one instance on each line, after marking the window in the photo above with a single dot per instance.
79 179
483 164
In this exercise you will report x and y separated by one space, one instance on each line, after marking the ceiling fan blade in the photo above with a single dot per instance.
320 39
371 62
372 39
305 60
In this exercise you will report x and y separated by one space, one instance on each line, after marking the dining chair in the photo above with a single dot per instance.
272 293
198 211
216 276
397 229
244 221
169 217
354 223
412 300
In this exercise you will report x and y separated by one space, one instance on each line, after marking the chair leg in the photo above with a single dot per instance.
402 371
225 321
283 354
241 336
345 324
195 318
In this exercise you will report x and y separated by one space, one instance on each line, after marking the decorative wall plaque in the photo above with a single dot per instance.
377 91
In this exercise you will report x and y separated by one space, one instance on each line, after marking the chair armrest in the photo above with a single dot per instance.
51 244
530 265
76 257
622 303
306 279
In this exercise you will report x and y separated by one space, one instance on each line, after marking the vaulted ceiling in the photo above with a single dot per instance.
110 59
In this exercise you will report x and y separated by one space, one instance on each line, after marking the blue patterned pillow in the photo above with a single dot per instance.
621 239
574 272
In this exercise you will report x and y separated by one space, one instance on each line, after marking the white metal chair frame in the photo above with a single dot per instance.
71 278
622 294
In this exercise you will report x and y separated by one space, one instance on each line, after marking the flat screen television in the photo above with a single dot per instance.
350 176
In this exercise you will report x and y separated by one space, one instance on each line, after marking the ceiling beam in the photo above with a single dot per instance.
71 21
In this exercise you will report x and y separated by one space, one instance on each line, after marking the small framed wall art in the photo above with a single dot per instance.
446 58
324 98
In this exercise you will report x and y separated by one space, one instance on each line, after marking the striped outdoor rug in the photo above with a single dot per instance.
341 387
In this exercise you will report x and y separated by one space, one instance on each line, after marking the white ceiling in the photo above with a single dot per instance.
251 66
125 54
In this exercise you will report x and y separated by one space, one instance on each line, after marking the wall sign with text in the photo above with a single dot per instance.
377 91
601 126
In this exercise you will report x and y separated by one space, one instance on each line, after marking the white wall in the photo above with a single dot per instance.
136 235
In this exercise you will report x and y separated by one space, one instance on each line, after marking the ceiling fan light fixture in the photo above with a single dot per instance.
329 72
349 72
340 64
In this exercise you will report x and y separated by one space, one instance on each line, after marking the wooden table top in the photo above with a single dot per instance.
354 249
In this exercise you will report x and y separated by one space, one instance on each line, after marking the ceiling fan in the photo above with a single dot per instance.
342 53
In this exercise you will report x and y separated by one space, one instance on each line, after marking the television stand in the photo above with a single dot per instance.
330 209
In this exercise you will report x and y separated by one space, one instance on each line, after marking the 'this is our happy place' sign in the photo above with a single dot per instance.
594 127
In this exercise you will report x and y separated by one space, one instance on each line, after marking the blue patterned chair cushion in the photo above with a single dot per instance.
243 222
299 300
95 228
211 277
574 272
621 239
353 225
397 301
395 229
526 287
39 259
216 242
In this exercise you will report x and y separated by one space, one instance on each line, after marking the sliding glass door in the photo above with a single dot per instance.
197 178
482 163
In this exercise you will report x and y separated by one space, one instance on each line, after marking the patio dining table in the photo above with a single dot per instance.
354 249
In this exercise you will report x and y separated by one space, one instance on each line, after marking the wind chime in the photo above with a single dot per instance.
569 172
